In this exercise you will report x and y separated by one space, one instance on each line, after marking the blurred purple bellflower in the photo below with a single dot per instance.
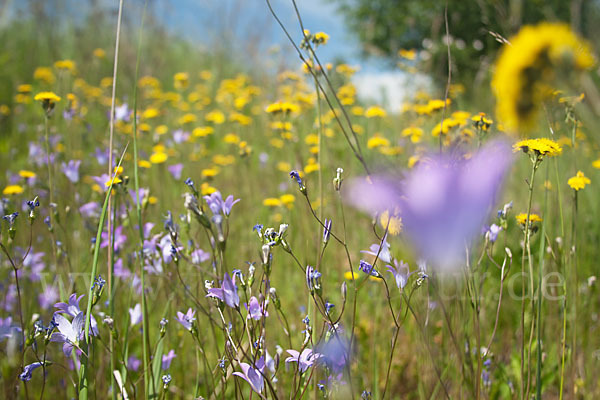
443 201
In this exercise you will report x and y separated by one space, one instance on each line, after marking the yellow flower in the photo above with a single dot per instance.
526 70
187 118
12 189
27 174
348 275
99 53
181 80
203 131
216 117
210 172
206 189
49 97
541 146
444 127
116 181
375 111
150 113
24 88
68 65
158 158
414 132
578 181
144 164
522 218
231 138
272 202
161 129
377 141
596 164
394 224
44 74
321 38
408 54
287 199
282 107
481 121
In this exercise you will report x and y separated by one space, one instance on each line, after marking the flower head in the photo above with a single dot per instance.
578 181
253 375
187 319
401 273
443 201
538 147
226 293
305 360
528 67
69 333
25 376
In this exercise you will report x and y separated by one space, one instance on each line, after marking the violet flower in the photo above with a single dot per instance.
305 360
187 319
48 297
255 309
383 254
175 170
72 308
90 210
71 170
167 359
254 376
217 205
25 376
68 333
443 201
227 293
401 273
7 328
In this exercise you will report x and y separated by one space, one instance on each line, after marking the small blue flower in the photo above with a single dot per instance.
11 218
368 269
25 376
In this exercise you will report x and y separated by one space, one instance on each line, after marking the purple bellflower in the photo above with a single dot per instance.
72 308
68 333
25 376
167 358
255 309
401 273
253 375
305 360
187 319
217 205
71 170
443 201
227 293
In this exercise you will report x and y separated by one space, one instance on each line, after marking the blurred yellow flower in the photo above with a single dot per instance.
144 164
99 53
377 141
526 70
578 181
158 158
287 199
522 218
203 131
150 113
12 189
44 74
49 97
26 174
393 224
24 88
68 65
375 111
272 202
210 172
215 116
231 138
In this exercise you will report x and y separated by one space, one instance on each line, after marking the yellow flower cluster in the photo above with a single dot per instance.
541 146
578 181
529 65
522 218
